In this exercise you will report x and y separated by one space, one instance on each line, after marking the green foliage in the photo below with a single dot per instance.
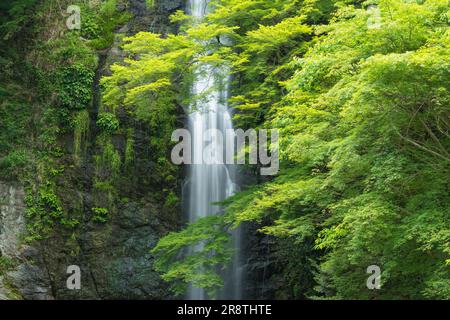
15 115
270 34
108 163
129 149
44 212
108 122
46 92
181 265
80 133
363 114
99 23
294 260
146 85
75 86
6 264
13 163
364 122
171 200
100 214
13 16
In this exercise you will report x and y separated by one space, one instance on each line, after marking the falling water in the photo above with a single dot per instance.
210 180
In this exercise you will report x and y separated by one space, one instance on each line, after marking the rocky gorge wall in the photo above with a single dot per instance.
114 256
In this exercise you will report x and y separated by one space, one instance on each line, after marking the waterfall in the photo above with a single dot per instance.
209 180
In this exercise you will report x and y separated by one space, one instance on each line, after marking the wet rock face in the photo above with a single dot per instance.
139 7
12 223
20 273
170 5
114 257
155 18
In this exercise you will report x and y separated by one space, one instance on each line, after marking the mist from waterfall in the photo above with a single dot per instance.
211 181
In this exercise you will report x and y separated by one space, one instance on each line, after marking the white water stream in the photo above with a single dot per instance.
211 181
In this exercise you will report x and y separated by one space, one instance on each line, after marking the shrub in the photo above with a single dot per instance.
108 122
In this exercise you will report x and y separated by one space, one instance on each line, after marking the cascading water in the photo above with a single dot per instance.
209 180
